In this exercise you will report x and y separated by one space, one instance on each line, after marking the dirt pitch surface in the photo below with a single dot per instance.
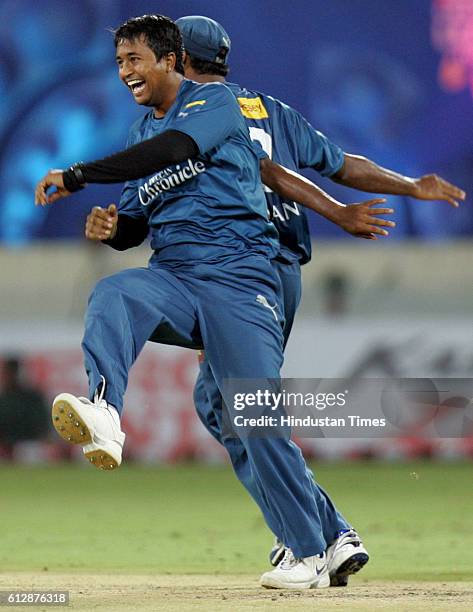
170 593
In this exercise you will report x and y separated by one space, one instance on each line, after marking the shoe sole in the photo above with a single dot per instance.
302 586
101 459
69 425
269 582
73 429
349 567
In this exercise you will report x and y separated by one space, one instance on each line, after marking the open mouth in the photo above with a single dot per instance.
137 86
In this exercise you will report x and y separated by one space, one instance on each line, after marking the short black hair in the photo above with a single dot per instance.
160 33
205 67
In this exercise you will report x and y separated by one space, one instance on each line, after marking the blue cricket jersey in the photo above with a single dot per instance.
215 199
289 140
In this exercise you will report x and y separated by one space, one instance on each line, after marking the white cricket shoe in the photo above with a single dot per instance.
345 556
292 573
94 425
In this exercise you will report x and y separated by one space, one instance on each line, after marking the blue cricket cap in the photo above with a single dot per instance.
204 38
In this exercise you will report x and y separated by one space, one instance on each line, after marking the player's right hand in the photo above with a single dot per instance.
54 178
101 223
361 220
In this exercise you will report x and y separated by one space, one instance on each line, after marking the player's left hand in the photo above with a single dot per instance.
54 178
101 223
434 187
361 219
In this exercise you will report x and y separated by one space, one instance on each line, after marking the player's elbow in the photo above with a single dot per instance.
353 166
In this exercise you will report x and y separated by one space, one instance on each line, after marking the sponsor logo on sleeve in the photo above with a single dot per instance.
195 103
253 108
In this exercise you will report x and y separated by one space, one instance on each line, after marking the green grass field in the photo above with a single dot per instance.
416 519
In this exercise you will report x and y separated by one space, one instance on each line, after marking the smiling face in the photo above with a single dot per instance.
148 79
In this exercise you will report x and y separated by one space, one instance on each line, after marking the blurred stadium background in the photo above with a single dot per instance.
392 81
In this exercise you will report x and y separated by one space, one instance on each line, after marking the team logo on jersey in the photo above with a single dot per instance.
253 108
195 103
168 178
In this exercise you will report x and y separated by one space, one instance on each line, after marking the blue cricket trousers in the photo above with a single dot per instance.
216 305
208 402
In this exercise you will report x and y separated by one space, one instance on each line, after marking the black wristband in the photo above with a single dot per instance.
74 178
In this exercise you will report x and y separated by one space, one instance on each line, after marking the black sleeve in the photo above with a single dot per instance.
140 160
131 232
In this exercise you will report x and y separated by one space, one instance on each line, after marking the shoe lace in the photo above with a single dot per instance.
98 395
349 536
288 561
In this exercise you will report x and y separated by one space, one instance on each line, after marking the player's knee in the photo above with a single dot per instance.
101 287
107 289
118 283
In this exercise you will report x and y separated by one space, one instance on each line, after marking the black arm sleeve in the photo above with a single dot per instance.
131 232
140 160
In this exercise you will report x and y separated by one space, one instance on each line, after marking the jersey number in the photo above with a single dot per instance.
266 142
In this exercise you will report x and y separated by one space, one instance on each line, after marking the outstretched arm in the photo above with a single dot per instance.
363 174
170 147
357 219
197 130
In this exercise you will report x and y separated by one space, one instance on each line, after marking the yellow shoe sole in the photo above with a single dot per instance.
102 460
69 424
71 427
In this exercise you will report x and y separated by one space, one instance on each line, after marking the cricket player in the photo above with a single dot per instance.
209 283
292 142
91 177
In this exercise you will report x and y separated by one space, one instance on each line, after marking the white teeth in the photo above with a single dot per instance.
136 85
